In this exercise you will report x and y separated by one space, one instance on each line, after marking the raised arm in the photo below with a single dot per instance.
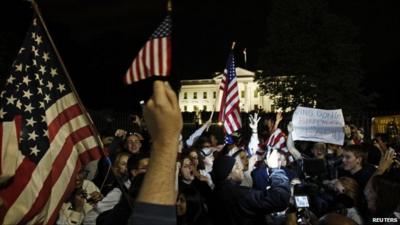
164 121
157 197
253 123
290 144
197 133
278 119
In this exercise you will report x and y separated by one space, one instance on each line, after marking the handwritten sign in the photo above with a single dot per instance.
318 125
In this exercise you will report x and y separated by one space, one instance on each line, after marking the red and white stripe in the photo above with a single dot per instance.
38 190
277 140
154 59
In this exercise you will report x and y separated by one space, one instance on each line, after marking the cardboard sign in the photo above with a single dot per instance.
318 125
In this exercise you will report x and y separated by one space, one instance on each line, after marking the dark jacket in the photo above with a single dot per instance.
152 214
235 204
362 176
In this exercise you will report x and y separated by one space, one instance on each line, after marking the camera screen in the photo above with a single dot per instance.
301 201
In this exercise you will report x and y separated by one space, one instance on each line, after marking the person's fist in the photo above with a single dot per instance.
163 115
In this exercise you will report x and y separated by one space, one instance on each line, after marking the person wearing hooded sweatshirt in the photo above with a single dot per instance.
235 204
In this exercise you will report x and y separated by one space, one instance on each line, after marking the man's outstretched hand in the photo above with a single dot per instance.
253 122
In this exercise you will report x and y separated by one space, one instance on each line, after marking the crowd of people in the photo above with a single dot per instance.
153 175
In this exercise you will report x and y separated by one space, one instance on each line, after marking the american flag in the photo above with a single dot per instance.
277 141
155 57
229 111
45 137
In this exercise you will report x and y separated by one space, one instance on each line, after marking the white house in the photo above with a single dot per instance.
201 94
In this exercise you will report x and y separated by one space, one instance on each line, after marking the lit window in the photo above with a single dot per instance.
204 95
242 94
185 95
255 93
185 108
194 95
214 94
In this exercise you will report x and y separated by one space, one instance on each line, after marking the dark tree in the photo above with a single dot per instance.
311 57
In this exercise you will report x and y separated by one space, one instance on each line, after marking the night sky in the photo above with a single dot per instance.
99 39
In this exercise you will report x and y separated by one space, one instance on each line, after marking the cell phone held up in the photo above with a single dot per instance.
302 205
301 201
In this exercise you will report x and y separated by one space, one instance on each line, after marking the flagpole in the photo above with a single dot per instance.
91 125
245 57
210 119
218 91
232 48
218 95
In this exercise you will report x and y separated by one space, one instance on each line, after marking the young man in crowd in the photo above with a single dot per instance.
356 166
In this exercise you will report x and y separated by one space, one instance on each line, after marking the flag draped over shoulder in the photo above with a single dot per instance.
229 110
45 138
154 59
